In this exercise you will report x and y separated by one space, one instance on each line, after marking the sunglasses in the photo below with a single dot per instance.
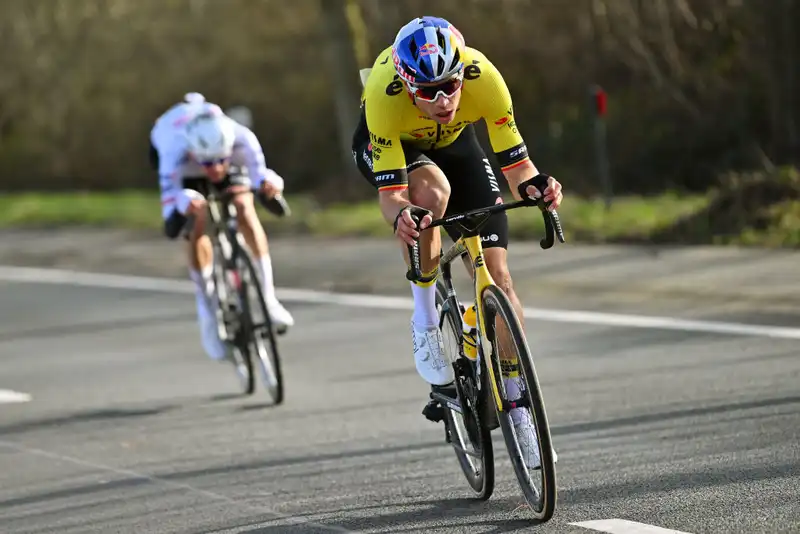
430 93
215 161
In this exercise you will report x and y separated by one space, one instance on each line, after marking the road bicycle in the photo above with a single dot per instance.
477 402
242 315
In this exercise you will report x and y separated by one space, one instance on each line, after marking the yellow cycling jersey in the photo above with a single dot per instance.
392 118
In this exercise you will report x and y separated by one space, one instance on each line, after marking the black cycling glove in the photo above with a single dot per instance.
539 181
416 213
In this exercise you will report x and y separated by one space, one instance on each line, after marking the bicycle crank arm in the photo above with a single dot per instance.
465 451
447 401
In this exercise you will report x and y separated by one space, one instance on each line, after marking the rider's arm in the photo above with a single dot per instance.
389 171
257 168
169 180
498 112
388 163
516 175
391 202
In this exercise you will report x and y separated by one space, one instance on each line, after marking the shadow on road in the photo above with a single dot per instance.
659 417
447 509
109 414
455 512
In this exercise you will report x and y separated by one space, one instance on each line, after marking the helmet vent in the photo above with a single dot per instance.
456 59
412 45
425 70
440 38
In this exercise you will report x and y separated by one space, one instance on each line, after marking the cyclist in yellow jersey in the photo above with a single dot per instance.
416 144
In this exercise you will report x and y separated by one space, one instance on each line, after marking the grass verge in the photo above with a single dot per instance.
751 210
583 219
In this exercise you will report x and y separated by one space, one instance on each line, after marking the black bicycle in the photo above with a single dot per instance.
477 402
244 322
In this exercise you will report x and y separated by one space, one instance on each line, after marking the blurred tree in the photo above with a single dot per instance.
696 87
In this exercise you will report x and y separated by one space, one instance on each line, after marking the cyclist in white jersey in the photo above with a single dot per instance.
194 146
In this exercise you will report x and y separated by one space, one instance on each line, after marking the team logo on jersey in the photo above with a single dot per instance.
428 49
500 122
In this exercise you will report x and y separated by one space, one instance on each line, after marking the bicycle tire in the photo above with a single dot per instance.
481 478
233 331
276 391
496 303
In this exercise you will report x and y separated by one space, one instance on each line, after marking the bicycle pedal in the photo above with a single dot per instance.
433 412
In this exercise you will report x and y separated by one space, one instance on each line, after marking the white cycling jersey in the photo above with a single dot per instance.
175 162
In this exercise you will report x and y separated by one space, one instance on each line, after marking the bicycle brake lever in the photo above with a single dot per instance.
552 226
415 273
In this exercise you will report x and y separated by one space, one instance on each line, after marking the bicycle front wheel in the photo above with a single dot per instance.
538 483
260 337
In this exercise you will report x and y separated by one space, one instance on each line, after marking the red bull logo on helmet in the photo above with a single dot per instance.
428 49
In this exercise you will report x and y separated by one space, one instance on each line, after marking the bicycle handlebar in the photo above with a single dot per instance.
276 205
552 225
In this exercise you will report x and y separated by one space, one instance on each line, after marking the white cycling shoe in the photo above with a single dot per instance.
429 357
215 348
279 315
209 332
526 437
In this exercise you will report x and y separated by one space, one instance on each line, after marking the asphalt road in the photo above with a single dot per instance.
131 429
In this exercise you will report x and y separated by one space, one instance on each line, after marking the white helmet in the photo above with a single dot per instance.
210 136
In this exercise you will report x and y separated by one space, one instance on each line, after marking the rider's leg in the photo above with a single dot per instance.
199 255
256 239
429 189
496 262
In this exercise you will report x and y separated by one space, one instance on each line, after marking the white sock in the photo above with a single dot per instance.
202 285
202 279
514 390
265 262
424 305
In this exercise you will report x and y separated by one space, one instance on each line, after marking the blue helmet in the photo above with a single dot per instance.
428 50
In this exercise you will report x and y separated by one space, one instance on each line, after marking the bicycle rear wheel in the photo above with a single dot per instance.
470 438
260 337
542 497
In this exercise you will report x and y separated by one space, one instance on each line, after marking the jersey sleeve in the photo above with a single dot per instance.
381 111
388 158
497 110
254 156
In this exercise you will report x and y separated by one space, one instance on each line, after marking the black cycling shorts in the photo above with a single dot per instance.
174 224
472 177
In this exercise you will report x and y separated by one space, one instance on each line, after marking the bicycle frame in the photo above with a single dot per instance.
224 221
470 243
482 278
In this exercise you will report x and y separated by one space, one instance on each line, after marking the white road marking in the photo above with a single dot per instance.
11 397
171 285
623 526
